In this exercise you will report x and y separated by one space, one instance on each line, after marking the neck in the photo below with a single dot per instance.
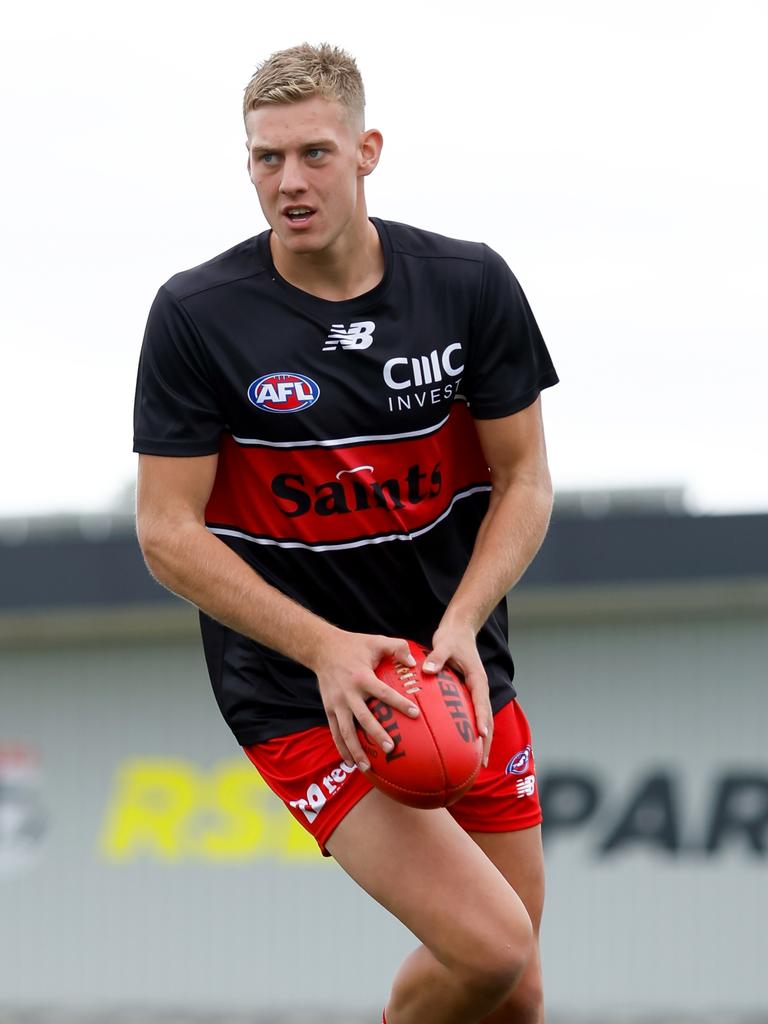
353 265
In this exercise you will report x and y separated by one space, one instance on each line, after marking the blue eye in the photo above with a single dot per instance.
314 153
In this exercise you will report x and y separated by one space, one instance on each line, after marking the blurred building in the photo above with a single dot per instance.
142 861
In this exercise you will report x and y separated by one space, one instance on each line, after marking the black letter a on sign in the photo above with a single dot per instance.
651 818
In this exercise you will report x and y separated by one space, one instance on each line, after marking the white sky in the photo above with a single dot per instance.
616 154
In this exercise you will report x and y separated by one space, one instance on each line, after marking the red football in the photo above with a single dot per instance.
436 755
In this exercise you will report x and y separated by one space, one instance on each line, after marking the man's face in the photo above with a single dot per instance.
307 161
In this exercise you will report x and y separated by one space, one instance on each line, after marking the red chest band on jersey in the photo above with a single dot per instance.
350 493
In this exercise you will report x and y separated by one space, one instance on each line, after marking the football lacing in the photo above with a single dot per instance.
410 684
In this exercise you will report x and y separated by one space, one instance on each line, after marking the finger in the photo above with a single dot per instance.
375 730
487 741
388 694
352 741
341 746
477 684
400 650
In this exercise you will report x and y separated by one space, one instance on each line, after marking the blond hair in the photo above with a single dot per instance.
303 71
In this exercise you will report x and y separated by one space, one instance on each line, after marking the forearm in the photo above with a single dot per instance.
193 563
509 537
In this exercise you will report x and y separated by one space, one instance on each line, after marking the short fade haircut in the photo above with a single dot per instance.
304 71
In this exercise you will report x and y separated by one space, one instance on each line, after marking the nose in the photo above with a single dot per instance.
292 180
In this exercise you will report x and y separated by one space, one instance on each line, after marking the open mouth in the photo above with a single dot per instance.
299 214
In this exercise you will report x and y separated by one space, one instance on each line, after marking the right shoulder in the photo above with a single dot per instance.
244 260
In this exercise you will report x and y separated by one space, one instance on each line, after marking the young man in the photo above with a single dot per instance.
341 446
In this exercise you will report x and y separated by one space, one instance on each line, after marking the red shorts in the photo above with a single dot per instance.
318 788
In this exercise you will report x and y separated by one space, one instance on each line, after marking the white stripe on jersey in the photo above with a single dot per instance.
342 545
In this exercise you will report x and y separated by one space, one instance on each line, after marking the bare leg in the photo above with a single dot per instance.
430 874
519 857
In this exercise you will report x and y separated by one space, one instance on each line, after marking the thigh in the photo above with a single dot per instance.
502 816
520 859
502 813
427 871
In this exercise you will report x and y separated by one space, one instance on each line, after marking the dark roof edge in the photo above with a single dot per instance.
634 601
535 605
88 626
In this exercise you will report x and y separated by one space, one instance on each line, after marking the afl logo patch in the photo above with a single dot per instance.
283 392
518 765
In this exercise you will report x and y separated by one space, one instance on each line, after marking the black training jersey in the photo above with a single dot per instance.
350 474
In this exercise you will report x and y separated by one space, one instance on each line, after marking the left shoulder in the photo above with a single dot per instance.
407 240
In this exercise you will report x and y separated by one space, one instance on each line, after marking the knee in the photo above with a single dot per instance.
496 964
524 1004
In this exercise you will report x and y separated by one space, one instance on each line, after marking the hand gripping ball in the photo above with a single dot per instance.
436 755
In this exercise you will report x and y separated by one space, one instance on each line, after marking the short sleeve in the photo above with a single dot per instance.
176 411
508 363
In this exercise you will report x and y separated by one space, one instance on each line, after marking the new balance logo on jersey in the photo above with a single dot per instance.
357 336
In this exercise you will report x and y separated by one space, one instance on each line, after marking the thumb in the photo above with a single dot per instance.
435 660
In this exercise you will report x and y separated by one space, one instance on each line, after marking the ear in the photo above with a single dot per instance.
369 150
248 161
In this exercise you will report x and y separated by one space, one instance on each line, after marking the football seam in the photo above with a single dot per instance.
446 788
440 758
441 761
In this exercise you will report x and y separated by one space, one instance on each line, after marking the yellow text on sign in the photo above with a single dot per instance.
171 810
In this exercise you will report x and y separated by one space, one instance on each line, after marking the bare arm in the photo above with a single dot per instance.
509 537
184 556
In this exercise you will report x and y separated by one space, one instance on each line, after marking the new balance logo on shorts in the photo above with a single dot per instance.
526 786
356 336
